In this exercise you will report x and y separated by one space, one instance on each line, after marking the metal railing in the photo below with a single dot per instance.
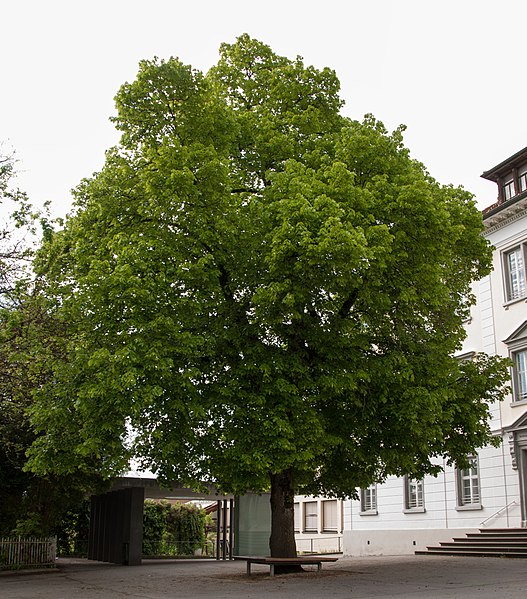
27 553
174 547
320 544
502 509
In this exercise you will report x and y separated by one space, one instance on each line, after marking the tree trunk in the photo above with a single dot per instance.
282 542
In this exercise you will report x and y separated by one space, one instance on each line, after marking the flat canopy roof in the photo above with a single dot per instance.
153 490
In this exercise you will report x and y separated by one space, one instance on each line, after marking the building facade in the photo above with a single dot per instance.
319 524
402 515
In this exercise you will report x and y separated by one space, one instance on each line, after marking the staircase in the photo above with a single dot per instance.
494 542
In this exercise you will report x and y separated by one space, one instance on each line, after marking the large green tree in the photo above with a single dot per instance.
262 293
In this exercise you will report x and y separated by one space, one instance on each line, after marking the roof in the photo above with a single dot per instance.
505 208
505 167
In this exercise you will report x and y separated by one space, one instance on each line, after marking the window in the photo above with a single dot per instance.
514 270
468 485
330 516
368 500
523 182
297 517
508 190
519 375
413 494
517 343
310 516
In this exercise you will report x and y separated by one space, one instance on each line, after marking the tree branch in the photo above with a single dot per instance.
347 305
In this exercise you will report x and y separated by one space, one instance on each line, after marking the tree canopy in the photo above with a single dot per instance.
262 293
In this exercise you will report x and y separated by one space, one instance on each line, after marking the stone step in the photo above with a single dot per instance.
472 553
500 531
503 538
495 542
491 541
486 547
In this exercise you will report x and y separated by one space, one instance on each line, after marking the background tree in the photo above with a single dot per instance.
268 294
173 529
31 337
18 220
30 504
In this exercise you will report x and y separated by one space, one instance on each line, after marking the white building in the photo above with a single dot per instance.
319 524
401 515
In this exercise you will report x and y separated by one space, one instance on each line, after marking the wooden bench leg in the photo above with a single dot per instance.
319 566
248 568
272 570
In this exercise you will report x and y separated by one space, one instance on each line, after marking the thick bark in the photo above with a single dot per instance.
282 542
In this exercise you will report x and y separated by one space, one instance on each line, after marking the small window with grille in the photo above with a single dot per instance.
514 273
330 520
468 487
413 495
311 516
368 500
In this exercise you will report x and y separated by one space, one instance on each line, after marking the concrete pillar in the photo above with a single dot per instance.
133 526
116 527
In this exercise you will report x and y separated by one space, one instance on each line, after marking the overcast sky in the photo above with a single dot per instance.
453 71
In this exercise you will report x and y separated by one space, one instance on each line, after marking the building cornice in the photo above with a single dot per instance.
505 214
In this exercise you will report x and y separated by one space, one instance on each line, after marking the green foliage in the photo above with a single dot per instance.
72 531
172 529
18 233
31 339
254 284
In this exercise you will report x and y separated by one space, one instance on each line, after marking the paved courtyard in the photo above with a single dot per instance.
356 578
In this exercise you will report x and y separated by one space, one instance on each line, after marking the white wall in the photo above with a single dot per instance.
393 532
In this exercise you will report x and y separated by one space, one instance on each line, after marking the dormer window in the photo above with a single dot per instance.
508 190
511 179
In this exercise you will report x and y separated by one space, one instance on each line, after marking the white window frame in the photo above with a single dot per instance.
297 516
514 272
517 344
522 182
310 516
469 486
519 375
330 522
368 501
508 190
414 495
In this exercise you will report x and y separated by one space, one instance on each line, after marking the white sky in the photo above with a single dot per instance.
453 71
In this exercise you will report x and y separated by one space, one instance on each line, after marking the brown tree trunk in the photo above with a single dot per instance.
282 542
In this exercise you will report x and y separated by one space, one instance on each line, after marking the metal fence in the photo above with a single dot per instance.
27 553
174 547
319 545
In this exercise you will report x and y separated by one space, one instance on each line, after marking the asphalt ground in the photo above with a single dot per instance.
412 577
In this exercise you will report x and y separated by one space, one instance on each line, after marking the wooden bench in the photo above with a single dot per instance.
309 560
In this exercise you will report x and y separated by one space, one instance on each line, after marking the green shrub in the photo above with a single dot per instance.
173 529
